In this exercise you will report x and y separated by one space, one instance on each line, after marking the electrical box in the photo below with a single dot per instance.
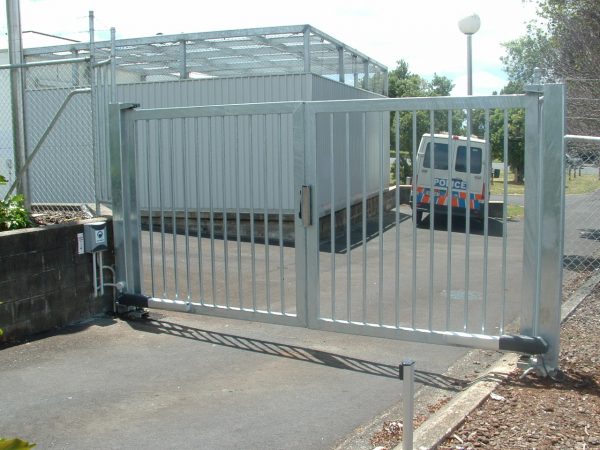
95 237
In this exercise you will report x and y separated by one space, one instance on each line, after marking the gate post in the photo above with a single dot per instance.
544 220
124 197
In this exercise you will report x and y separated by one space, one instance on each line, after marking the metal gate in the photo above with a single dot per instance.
284 213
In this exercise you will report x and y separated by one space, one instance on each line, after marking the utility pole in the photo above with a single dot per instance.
17 83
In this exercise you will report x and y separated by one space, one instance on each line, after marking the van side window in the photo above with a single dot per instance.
461 159
440 156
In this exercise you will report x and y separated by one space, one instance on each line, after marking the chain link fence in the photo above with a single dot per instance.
65 137
344 66
62 171
582 177
7 166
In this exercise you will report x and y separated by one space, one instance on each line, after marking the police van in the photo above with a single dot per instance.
451 183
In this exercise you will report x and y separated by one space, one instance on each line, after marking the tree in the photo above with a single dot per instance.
516 139
403 83
566 43
440 86
574 30
526 53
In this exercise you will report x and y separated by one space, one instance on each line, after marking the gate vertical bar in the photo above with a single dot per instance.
125 219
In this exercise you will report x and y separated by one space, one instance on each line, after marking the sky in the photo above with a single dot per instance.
422 32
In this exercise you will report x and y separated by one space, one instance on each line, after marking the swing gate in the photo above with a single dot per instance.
295 213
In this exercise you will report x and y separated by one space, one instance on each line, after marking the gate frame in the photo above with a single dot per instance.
543 236
127 225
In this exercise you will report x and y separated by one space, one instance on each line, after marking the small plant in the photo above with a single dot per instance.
14 444
13 214
405 169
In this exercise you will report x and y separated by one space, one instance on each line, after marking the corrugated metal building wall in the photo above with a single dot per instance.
247 160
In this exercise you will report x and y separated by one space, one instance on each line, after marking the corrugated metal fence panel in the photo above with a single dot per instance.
218 91
360 141
218 161
353 144
72 160
326 89
217 164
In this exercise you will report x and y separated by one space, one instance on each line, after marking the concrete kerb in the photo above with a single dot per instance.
448 418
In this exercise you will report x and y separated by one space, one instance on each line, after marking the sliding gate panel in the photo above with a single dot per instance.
214 209
454 277
380 217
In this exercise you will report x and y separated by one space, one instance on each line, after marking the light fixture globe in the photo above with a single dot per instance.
470 24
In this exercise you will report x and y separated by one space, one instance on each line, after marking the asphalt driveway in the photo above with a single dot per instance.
181 381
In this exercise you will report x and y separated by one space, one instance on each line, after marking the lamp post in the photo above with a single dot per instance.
469 26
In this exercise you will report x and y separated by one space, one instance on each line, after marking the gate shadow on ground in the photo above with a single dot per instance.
297 353
459 225
356 232
63 331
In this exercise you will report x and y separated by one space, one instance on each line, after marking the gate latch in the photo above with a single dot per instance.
305 206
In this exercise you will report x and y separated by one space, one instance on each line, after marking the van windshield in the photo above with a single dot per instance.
461 159
440 156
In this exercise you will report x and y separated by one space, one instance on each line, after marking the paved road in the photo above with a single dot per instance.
582 232
582 225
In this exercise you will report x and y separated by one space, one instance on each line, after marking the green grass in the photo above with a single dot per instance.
583 184
497 188
515 211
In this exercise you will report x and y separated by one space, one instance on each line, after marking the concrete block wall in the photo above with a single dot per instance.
44 282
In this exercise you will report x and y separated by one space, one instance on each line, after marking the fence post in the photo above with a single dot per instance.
17 87
124 196
552 220
544 219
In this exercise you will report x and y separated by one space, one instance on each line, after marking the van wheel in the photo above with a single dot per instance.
419 217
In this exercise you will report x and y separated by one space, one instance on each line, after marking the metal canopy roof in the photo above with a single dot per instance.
257 51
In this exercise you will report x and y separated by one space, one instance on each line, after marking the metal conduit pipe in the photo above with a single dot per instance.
574 137
51 62
95 272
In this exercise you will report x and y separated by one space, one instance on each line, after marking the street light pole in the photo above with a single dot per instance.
469 64
469 26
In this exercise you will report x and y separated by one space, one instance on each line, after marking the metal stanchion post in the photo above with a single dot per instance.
407 375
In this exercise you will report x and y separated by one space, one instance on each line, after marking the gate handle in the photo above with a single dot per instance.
305 206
